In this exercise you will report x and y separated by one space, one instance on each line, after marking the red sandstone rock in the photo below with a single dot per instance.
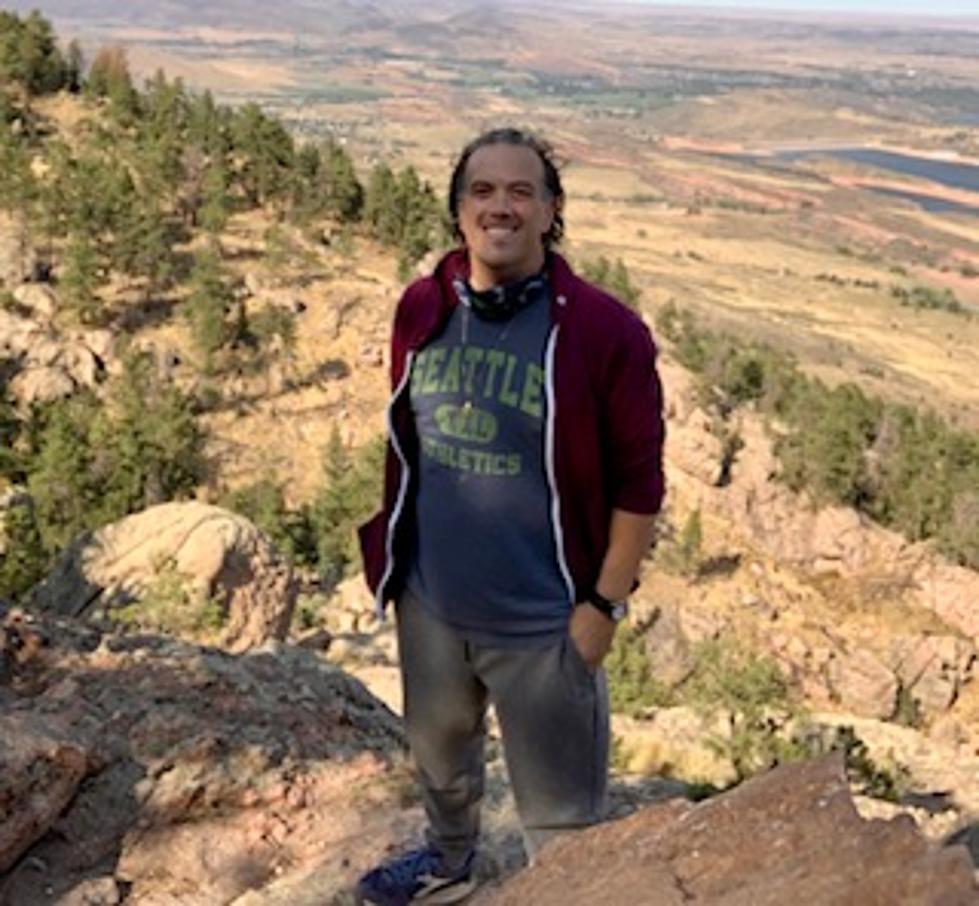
791 836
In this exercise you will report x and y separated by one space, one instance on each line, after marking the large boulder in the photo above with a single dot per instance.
933 669
41 384
863 684
39 298
952 592
790 836
50 364
195 570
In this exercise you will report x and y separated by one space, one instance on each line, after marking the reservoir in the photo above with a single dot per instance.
930 202
948 173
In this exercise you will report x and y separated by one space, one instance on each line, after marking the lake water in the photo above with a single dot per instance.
931 203
947 172
944 172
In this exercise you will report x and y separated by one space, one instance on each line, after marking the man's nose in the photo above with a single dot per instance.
501 201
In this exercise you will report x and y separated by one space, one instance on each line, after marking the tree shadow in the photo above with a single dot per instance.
242 254
722 565
930 802
324 373
327 370
146 313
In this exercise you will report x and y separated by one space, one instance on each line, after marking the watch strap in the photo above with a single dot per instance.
614 610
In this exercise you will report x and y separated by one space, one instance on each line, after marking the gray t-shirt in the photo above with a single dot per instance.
485 559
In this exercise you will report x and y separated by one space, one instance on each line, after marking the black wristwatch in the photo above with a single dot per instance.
616 611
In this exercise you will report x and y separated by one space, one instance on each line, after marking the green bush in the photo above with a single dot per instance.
351 492
632 686
888 781
927 298
23 561
289 530
10 428
683 555
170 604
29 55
761 706
612 277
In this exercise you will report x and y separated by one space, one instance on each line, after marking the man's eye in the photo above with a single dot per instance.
522 192
480 191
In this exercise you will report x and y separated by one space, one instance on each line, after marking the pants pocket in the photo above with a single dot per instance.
580 676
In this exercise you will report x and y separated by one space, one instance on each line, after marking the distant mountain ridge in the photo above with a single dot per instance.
226 14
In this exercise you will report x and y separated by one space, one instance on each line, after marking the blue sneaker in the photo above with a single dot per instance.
418 876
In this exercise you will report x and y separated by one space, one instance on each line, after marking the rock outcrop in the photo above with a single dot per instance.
828 540
17 258
790 836
195 570
179 774
50 365
40 776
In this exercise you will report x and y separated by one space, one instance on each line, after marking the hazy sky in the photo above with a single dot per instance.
906 7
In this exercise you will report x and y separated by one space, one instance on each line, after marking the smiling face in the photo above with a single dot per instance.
504 211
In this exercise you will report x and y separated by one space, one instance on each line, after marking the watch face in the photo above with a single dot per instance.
620 611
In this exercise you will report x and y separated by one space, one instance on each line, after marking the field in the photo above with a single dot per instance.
655 113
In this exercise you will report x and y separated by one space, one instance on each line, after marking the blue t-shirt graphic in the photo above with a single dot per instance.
485 559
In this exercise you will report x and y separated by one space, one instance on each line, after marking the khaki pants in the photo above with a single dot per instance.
553 714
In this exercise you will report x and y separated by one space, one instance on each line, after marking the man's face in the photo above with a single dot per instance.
504 212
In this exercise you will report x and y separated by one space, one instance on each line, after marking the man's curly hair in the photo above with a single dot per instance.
510 136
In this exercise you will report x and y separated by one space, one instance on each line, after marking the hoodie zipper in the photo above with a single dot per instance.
549 462
402 489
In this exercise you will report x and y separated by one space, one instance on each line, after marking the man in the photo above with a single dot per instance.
523 474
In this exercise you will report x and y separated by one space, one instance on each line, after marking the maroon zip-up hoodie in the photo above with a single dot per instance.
603 437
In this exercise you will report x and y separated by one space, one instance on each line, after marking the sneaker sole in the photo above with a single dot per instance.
442 896
453 893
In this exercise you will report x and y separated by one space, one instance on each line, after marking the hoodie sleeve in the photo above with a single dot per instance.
633 422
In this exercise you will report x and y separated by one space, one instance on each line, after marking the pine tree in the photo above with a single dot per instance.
59 473
23 561
216 206
29 55
10 461
267 149
150 446
74 67
43 68
380 204
109 77
417 212
161 137
350 489
81 278
344 193
143 246
18 187
208 126
208 305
